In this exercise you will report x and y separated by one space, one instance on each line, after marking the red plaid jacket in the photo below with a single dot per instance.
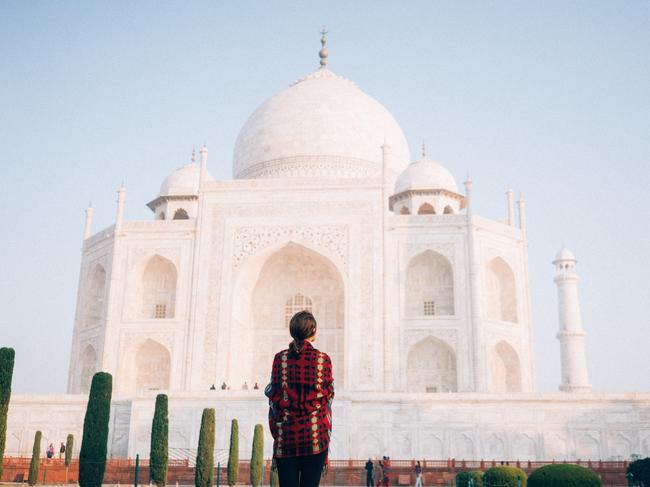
300 398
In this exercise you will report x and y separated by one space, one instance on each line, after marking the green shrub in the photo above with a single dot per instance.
7 356
463 478
504 477
233 453
275 479
204 471
257 457
69 444
640 470
92 456
159 453
36 460
563 475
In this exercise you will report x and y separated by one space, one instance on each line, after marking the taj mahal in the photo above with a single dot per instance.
422 303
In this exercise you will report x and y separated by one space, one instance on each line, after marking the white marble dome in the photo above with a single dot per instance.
183 181
322 125
425 174
564 254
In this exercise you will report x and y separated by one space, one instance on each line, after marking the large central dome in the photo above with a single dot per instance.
322 125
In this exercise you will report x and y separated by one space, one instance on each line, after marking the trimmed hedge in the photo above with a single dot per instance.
159 453
204 471
233 454
275 479
69 444
36 460
7 356
504 477
257 457
463 478
94 442
564 475
640 469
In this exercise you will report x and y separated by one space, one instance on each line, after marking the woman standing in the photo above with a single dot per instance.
300 398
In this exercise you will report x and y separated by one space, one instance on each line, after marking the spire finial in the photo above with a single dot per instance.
322 54
424 151
193 154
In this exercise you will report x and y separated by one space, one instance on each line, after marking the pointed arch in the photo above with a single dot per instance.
505 368
404 211
426 209
153 366
158 289
494 448
273 285
95 292
431 367
587 447
429 286
87 367
181 214
448 210
501 291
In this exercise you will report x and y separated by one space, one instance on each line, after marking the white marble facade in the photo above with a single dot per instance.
423 305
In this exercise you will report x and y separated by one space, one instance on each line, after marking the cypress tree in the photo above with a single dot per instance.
257 457
233 454
204 471
7 356
92 456
159 455
275 479
69 444
36 460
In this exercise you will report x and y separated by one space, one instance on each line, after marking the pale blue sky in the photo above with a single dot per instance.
551 98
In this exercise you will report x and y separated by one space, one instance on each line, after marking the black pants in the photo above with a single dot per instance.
301 471
370 481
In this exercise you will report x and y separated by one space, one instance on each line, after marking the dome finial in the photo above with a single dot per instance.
322 54
424 151
193 155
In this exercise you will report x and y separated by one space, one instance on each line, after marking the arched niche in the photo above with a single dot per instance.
269 288
448 210
94 299
501 291
158 288
152 367
426 209
587 447
505 368
429 285
431 367
404 211
181 214
87 367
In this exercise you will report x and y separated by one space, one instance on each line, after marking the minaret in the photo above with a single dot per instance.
571 334
88 227
511 207
119 216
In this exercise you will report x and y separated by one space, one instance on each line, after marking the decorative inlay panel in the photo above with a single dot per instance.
250 240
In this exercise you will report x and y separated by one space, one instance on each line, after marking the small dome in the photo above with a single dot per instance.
564 254
183 181
322 125
425 174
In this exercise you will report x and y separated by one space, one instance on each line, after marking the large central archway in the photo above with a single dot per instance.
288 280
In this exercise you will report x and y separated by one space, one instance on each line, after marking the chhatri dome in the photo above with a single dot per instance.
321 125
425 174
